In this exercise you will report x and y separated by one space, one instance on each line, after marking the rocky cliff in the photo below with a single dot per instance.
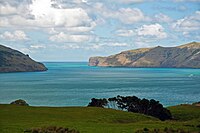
184 56
15 61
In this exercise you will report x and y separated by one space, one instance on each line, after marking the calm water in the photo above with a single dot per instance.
74 84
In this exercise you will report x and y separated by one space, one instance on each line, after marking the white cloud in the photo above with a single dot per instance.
95 46
72 24
52 31
71 46
117 44
82 28
186 0
105 45
189 23
124 33
7 10
45 14
125 15
26 50
62 37
162 18
130 1
4 22
41 14
153 30
37 46
121 1
16 35
130 15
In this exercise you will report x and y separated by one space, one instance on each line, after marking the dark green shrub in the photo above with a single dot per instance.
20 102
98 102
134 104
143 106
166 130
51 129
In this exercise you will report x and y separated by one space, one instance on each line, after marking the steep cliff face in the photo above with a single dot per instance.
184 56
15 61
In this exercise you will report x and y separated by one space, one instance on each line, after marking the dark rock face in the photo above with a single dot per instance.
15 61
184 56
20 102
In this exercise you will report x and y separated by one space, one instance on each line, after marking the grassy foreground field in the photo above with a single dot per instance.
16 119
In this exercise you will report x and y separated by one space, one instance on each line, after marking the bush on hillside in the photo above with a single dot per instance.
98 102
166 130
20 102
51 129
134 104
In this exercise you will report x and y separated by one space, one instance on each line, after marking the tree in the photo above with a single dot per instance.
98 102
134 104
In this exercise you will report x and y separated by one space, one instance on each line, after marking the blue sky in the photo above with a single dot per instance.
74 30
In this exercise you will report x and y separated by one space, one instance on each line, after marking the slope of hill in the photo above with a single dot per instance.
184 56
17 119
14 61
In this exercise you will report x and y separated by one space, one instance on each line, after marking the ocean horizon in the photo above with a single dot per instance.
75 83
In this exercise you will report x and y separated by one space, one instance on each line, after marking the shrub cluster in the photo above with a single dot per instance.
20 102
51 129
166 130
98 102
134 104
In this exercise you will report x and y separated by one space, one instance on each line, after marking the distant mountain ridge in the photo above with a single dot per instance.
184 56
14 61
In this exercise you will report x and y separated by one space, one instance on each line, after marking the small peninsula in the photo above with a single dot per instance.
14 61
183 56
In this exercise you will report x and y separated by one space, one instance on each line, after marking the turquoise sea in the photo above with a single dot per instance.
75 83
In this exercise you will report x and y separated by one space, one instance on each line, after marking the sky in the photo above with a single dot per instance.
74 30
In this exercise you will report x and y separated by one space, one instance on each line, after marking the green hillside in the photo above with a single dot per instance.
16 119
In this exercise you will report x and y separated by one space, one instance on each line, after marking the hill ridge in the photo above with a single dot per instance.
183 56
15 61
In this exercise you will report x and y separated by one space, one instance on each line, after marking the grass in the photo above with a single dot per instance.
16 119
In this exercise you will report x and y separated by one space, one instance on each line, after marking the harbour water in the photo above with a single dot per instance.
75 83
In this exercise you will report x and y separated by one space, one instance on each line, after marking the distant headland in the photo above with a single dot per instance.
14 61
183 56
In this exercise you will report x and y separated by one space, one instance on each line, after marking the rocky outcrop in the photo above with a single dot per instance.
184 56
14 61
